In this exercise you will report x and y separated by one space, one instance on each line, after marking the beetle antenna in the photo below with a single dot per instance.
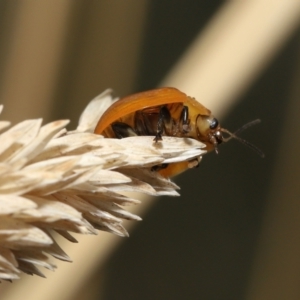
246 143
249 124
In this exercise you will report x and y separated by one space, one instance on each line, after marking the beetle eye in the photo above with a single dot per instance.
214 123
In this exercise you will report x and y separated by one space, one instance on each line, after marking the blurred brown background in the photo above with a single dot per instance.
235 231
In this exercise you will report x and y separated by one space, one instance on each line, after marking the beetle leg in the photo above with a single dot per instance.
122 130
141 126
194 163
164 120
184 118
159 167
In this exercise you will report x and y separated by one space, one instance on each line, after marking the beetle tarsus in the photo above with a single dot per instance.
157 138
194 163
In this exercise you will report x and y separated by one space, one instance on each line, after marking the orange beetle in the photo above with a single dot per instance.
165 112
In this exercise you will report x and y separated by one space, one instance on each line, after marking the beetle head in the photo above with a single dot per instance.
210 132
